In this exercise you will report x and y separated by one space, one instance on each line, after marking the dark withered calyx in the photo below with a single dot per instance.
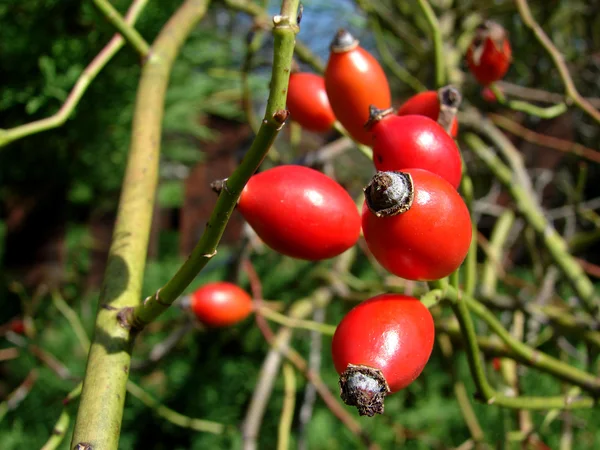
364 387
389 193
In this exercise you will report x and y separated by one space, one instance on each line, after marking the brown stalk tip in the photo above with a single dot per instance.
218 185
375 115
390 193
343 42
450 97
364 387
492 30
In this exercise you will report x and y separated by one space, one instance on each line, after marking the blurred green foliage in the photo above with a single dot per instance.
42 63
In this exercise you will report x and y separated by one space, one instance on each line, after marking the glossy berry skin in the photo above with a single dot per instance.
220 304
307 102
390 332
426 104
427 242
415 141
489 54
354 80
300 212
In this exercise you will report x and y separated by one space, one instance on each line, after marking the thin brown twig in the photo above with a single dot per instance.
543 140
537 95
559 62
16 397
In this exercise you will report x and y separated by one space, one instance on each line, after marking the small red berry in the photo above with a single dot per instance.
17 326
300 212
308 103
497 364
488 95
428 104
221 304
380 347
489 54
354 80
416 224
416 141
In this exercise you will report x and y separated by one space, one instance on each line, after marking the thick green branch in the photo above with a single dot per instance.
284 31
101 408
83 82
130 34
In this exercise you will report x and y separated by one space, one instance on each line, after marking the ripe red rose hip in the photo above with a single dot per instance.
415 141
489 54
307 102
354 80
416 224
380 347
220 304
300 212
435 105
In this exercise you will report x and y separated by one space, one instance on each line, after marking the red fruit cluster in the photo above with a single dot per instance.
414 221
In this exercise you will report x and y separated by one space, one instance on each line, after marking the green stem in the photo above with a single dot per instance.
390 61
489 277
203 426
438 44
73 320
101 408
558 59
470 266
58 432
548 112
287 412
391 22
128 32
83 82
62 424
290 322
485 391
542 361
284 31
531 211
365 150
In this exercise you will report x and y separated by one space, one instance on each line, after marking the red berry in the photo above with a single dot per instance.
380 347
416 224
300 212
17 326
488 95
404 142
354 80
308 103
426 104
497 364
221 304
489 54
